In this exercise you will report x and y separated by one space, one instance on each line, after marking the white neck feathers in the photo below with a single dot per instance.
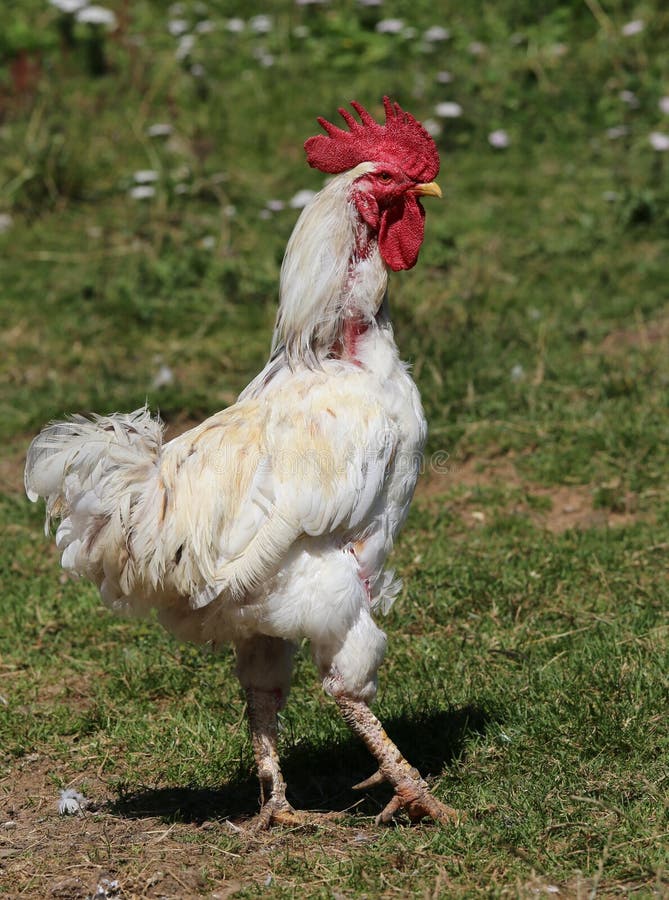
325 278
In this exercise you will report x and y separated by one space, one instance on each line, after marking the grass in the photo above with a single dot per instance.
526 670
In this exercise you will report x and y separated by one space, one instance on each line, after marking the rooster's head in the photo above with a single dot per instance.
402 163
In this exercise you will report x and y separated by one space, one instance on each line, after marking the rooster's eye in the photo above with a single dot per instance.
385 177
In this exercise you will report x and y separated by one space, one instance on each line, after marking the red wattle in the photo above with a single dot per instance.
401 233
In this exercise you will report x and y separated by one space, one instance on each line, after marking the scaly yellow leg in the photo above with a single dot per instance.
411 792
275 809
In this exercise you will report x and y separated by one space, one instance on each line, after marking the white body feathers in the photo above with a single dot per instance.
275 516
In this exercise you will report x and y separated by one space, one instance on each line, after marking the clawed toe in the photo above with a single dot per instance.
282 813
412 796
419 804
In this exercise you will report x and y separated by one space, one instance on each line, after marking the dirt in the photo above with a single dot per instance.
556 508
103 853
643 336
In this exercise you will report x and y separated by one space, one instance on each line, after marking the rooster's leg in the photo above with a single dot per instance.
276 810
263 707
411 792
264 666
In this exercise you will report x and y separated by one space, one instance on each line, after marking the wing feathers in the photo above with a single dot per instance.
216 510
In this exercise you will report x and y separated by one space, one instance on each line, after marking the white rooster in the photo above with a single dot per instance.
272 520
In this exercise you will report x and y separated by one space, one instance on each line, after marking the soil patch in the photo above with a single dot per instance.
641 337
101 853
556 508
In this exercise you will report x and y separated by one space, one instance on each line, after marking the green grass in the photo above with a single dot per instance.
526 670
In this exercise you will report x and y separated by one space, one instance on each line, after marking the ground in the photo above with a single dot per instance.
526 665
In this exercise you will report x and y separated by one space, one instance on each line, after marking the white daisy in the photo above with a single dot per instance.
448 110
636 26
659 141
390 26
97 15
301 198
499 139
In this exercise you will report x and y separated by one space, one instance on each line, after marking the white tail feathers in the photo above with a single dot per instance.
91 473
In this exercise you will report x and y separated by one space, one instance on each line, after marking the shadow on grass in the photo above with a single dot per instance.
319 777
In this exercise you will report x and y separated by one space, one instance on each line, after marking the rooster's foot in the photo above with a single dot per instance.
411 792
413 796
418 803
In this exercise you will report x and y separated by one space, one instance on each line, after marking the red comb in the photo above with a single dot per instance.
402 141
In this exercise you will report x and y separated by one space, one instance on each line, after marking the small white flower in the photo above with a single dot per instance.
265 214
275 205
390 26
261 24
301 198
436 33
185 45
517 373
208 242
636 26
444 77
616 132
630 98
265 58
145 176
370 2
432 127
164 377
72 803
5 222
659 141
69 7
230 211
97 15
663 103
177 27
448 110
197 70
206 26
499 139
310 2
160 129
142 192
476 48
235 25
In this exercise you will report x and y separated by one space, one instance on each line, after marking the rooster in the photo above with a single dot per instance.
272 520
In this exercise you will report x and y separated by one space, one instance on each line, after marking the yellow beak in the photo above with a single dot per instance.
430 189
